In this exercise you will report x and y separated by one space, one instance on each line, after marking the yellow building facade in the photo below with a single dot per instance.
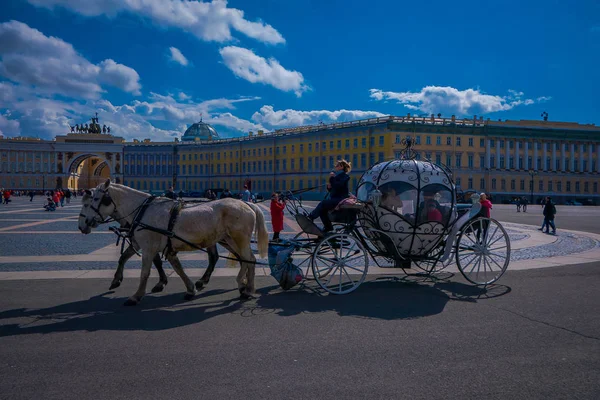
505 158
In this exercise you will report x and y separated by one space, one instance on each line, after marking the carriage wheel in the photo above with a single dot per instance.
339 263
303 261
483 251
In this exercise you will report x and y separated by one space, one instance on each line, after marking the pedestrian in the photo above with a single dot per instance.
31 194
68 196
277 207
486 213
246 194
524 203
170 193
226 194
549 213
6 196
518 202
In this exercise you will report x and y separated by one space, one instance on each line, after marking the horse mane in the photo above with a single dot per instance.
127 188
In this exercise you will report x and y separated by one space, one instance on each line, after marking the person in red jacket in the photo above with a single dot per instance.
277 207
486 212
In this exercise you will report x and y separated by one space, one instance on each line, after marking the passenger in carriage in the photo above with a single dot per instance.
392 200
430 209
338 191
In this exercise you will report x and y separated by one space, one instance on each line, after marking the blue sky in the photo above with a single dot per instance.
152 67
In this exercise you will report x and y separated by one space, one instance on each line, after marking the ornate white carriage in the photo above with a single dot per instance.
406 217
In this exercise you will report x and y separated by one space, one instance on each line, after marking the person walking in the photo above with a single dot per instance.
277 208
549 213
68 195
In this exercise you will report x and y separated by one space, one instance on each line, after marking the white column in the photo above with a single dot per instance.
581 157
545 156
597 158
518 144
572 160
526 156
590 166
563 156
497 154
553 166
9 153
487 153
507 154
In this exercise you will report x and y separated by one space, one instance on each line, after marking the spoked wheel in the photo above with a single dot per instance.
339 263
302 255
432 264
483 251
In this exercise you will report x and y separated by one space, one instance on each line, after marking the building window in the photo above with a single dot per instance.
438 158
301 149
502 162
418 140
309 147
501 144
458 163
364 143
470 142
284 149
511 162
493 183
449 140
356 143
470 183
481 162
339 144
512 184
458 181
398 140
522 185
438 140
577 187
371 141
427 139
458 141
550 185
363 160
541 186
586 187
559 186
448 160
511 144
482 183
520 162
381 156
492 162
568 186
470 160
503 184
347 145
595 187
382 140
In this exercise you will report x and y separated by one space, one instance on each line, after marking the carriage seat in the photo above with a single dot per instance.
346 210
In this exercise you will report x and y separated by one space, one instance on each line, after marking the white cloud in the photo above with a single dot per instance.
289 118
183 97
8 127
445 99
178 57
253 68
53 66
211 21
30 113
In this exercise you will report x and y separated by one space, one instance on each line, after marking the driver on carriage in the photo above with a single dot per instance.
338 191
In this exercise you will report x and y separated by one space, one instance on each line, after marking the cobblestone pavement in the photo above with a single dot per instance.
32 239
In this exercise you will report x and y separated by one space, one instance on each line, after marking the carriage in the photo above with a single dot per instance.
405 215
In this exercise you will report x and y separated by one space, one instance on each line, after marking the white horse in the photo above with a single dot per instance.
229 222
127 254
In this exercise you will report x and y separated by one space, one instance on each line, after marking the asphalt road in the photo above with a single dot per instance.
535 336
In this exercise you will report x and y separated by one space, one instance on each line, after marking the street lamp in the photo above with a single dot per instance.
532 173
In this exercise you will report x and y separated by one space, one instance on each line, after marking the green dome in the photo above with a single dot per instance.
199 131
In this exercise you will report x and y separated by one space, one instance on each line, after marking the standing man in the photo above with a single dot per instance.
170 193
486 212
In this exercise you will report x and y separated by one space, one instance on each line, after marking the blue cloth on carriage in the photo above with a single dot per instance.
282 267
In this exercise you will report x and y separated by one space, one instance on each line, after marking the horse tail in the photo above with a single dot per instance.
260 229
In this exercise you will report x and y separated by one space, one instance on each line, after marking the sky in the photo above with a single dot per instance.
151 68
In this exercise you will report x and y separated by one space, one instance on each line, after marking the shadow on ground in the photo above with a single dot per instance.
405 298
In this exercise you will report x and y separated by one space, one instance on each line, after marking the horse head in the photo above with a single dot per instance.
97 206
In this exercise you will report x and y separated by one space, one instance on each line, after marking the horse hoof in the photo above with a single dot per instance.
188 296
158 288
199 285
130 302
114 285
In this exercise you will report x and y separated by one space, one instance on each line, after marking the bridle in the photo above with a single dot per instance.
105 200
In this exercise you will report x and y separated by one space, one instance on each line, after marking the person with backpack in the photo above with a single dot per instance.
549 213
